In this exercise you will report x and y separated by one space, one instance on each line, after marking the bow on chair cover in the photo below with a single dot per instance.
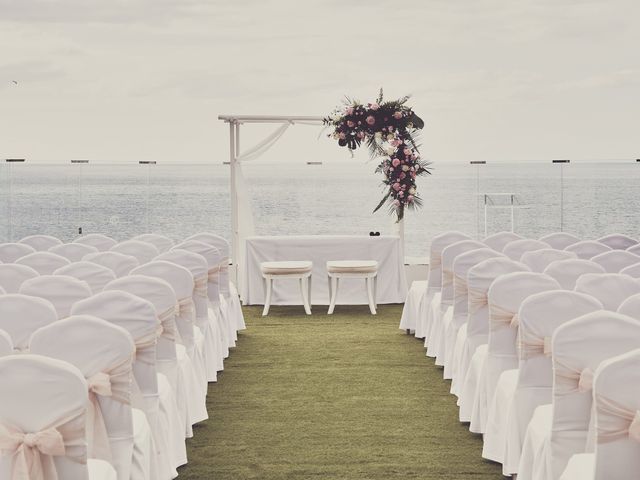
619 421
501 317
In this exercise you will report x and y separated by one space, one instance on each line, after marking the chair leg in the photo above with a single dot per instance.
267 299
303 290
372 306
334 294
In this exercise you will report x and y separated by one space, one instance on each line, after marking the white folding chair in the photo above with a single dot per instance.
119 263
74 252
95 275
61 290
567 272
499 240
138 317
560 240
97 240
45 398
40 243
616 260
10 252
560 430
538 260
161 242
12 276
610 288
21 315
45 263
540 315
587 249
6 344
142 251
104 353
514 250
479 279
618 241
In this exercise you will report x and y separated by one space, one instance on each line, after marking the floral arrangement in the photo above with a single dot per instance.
389 128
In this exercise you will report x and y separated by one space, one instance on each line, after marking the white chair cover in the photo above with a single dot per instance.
97 240
538 260
61 290
632 270
6 344
539 316
505 296
104 353
95 275
610 288
21 315
635 249
45 263
479 279
142 251
499 240
587 249
12 276
515 249
10 252
40 243
631 307
161 242
567 272
119 263
560 240
618 241
616 260
46 399
74 252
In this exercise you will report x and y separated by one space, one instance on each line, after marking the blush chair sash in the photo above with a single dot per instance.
501 317
477 300
618 422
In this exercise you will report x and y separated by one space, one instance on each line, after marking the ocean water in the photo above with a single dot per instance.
333 198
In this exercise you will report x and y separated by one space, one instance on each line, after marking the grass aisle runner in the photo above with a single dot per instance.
347 396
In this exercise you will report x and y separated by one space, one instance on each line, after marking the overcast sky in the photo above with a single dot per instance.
131 80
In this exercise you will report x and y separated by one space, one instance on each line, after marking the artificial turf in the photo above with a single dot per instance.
345 396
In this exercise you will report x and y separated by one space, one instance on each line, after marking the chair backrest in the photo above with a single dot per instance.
12 276
103 352
97 240
6 344
439 243
538 260
74 252
161 242
119 263
587 249
138 317
21 315
95 275
634 249
616 390
449 254
616 260
515 249
45 263
214 259
10 252
38 394
579 346
142 251
61 290
567 272
499 240
560 240
223 245
40 243
610 288
631 307
632 270
618 241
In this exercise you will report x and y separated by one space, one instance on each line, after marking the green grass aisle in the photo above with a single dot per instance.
347 396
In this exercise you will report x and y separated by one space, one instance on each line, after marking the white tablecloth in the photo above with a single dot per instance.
392 283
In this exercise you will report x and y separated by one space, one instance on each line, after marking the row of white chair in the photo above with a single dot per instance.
174 304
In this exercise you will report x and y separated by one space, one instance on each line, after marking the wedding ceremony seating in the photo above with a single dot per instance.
560 240
514 250
618 241
616 260
161 242
97 240
73 251
45 263
10 252
62 291
587 249
40 243
499 240
610 288
142 251
337 269
119 263
538 260
94 274
21 315
567 272
294 270
12 276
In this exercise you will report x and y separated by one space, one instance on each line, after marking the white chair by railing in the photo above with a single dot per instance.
162 243
42 421
514 250
538 260
45 263
560 240
144 252
40 243
616 260
567 272
12 276
618 241
74 252
587 249
560 430
21 315
97 240
118 263
61 290
610 288
479 279
499 240
95 275
10 252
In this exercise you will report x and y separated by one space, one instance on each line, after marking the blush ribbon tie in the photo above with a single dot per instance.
477 300
533 346
616 421
501 317
200 286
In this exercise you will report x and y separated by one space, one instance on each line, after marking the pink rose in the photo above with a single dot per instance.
410 198
407 151
397 115
395 143
395 162
341 136
413 174
374 106
350 111
371 120
391 128
401 194
350 124
360 135
403 176
396 203
396 186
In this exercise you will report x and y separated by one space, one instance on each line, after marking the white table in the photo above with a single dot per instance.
387 250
